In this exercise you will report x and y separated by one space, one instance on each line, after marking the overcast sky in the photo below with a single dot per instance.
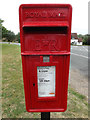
10 14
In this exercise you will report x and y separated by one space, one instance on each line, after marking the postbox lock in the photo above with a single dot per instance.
33 84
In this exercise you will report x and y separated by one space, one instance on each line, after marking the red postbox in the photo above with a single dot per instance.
45 33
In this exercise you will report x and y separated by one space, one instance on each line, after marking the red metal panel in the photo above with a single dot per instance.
45 29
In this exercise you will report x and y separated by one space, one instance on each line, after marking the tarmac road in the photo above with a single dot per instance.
79 59
79 69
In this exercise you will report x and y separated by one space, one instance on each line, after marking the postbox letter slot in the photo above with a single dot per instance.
54 30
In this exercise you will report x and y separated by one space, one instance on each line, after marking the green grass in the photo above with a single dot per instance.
82 97
13 102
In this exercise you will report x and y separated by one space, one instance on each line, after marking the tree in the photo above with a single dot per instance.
4 32
7 34
18 37
1 21
10 36
85 40
80 36
88 39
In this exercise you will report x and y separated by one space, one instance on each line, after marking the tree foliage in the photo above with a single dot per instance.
85 38
1 21
7 34
10 36
18 37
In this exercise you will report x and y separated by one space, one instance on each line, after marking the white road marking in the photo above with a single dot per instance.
74 46
85 48
79 55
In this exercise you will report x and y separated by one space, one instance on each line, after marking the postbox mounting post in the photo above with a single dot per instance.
45 115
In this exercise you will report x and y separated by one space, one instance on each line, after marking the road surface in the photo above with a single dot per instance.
79 59
79 69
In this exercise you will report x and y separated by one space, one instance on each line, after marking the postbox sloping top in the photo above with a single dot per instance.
45 15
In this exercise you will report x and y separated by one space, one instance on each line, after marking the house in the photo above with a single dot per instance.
75 40
79 41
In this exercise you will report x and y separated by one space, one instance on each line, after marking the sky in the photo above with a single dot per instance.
9 12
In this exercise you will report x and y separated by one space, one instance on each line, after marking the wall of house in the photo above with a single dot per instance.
79 43
74 41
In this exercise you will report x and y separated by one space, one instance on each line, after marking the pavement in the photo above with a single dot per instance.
10 43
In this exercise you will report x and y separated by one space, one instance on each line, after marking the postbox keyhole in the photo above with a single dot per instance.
33 84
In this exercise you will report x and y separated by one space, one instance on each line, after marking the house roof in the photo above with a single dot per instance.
74 35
